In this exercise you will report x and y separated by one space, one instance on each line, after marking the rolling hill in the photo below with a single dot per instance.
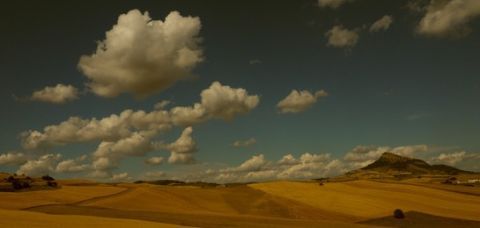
390 164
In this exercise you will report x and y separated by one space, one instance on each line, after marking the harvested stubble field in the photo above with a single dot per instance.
270 204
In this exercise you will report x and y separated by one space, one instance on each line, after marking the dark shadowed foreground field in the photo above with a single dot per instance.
419 220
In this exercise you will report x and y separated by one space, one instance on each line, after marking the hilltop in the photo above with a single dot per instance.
393 165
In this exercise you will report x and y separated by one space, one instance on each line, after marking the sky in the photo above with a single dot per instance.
236 91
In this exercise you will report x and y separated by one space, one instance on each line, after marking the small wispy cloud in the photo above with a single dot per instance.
245 143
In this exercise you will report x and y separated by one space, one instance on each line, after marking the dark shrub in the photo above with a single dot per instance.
397 213
10 179
25 185
17 185
47 178
52 184
450 180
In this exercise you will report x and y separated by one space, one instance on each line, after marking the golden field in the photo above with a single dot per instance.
364 199
270 204
11 218
64 195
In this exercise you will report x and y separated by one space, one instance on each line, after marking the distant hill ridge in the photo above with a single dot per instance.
390 163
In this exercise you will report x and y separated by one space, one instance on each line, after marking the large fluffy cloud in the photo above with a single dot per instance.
187 115
225 102
113 127
448 18
72 165
299 101
183 148
218 101
109 153
45 164
142 56
58 94
381 24
257 168
131 133
341 37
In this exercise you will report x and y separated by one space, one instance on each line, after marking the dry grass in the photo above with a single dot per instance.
367 199
415 219
14 218
274 204
77 182
238 200
436 183
64 195
197 219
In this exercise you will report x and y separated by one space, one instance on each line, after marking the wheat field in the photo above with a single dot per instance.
15 218
269 204
368 199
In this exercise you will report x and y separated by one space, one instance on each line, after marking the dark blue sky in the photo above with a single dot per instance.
393 88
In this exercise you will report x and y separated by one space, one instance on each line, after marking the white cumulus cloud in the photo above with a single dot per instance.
225 102
42 166
72 165
13 158
187 115
257 168
255 163
58 94
299 101
183 148
449 18
449 158
340 37
142 56
218 101
381 24
108 154
111 128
